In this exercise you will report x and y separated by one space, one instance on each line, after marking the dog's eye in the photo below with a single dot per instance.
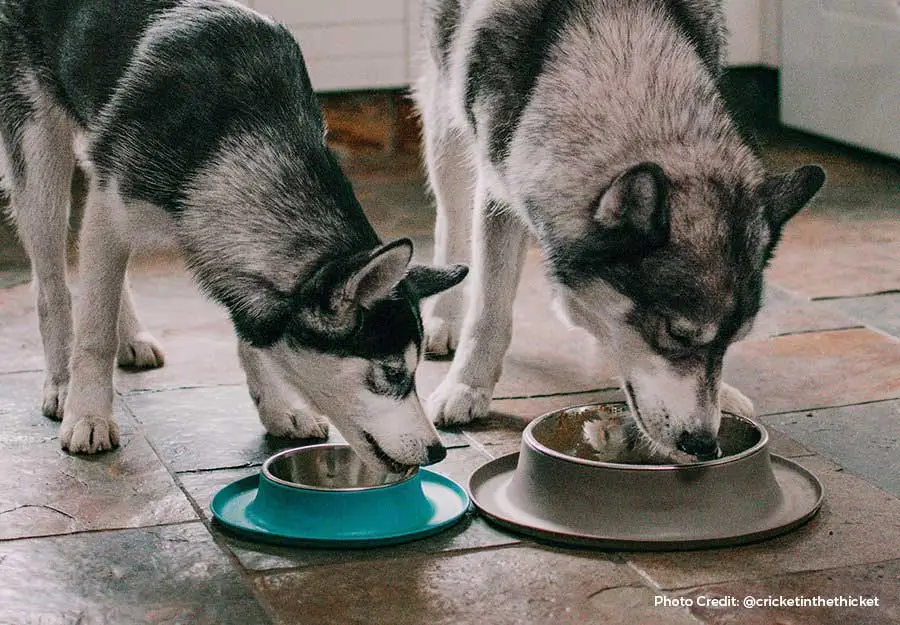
392 380
682 332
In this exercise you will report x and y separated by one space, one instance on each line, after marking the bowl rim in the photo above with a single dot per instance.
529 440
266 474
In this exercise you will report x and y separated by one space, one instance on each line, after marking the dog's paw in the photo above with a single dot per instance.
140 351
288 422
441 335
733 401
54 398
88 434
453 403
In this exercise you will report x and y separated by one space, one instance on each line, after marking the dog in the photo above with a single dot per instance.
597 128
200 130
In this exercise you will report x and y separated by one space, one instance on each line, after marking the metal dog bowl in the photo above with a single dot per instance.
325 495
614 494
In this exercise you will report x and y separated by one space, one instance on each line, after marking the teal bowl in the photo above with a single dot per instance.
325 495
328 490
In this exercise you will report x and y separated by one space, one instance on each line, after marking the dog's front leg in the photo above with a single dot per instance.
88 425
137 347
498 252
283 410
733 401
451 182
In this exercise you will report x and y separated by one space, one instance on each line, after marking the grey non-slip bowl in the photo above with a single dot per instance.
556 488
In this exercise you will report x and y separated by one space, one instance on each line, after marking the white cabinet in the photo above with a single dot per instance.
351 44
840 69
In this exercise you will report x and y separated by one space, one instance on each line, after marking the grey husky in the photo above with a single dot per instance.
597 127
200 130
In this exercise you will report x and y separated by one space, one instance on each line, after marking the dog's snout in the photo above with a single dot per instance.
436 453
699 443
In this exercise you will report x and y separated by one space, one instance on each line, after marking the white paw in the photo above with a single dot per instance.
453 403
140 351
287 422
88 434
441 335
735 402
54 398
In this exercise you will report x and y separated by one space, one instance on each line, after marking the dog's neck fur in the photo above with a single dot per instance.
610 120
275 214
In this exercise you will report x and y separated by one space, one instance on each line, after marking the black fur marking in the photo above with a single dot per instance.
234 74
84 46
14 112
519 42
441 21
390 378
697 30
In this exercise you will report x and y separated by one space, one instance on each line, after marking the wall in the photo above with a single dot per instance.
361 44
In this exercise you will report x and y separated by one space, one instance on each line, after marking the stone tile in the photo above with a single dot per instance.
517 585
863 439
816 369
20 341
784 313
628 605
217 427
881 312
471 533
173 574
11 277
870 581
196 335
44 490
501 432
858 524
845 245
783 445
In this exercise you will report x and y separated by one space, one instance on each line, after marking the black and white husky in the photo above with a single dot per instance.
200 129
596 127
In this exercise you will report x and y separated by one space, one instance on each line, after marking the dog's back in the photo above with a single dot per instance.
202 108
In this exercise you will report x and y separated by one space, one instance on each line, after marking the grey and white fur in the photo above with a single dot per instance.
597 128
199 128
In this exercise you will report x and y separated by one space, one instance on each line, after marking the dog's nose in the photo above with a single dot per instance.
436 453
698 443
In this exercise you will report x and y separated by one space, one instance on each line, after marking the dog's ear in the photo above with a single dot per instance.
636 205
783 195
373 281
424 281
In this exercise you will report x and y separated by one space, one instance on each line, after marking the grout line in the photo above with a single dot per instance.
186 387
563 394
99 530
411 555
644 575
779 575
236 467
833 298
819 408
21 371
858 326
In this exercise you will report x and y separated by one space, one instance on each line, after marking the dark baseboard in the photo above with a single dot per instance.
751 94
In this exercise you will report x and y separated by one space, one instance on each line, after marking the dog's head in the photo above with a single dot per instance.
668 273
350 340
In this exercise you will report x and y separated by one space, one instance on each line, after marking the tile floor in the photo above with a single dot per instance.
125 537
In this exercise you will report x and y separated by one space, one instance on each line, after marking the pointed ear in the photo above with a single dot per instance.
636 204
785 194
374 280
427 281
